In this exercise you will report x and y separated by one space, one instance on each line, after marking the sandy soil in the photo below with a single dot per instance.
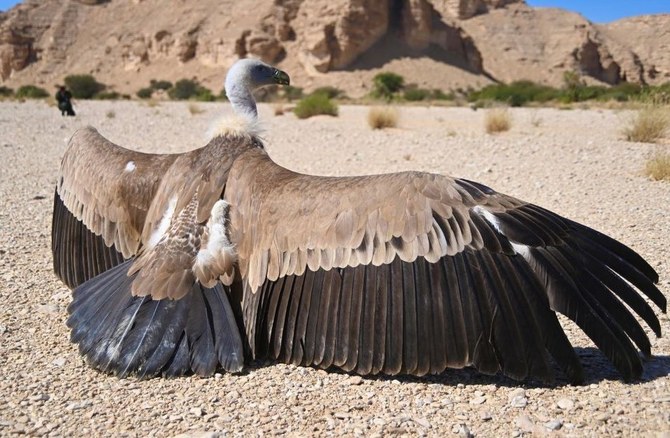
572 162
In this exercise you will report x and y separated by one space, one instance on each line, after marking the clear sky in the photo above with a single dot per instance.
603 11
599 11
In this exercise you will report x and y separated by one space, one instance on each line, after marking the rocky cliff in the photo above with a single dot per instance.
435 43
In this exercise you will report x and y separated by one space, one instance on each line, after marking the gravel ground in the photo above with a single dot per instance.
572 162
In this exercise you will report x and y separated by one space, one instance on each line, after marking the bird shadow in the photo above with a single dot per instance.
597 368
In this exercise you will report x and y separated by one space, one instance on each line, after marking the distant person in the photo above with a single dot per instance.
64 98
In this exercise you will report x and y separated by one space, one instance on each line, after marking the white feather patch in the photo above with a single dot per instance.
218 255
130 166
489 217
244 125
164 224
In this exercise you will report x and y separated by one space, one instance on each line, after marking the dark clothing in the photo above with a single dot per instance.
64 98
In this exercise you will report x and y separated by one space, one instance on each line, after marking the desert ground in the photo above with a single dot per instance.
573 162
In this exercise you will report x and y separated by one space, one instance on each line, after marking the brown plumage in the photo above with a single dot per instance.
184 261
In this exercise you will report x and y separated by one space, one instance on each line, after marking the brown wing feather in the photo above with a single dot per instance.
428 272
100 204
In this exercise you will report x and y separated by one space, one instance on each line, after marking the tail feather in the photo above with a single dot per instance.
125 335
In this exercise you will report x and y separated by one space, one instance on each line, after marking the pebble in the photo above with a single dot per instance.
553 424
422 422
478 400
566 404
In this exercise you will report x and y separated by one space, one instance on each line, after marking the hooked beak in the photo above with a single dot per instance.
281 77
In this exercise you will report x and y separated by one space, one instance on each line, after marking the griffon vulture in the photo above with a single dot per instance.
194 262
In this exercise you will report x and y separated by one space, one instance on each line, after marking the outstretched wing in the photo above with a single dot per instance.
102 197
414 273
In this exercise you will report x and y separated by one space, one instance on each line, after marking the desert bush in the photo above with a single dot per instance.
31 92
415 94
160 85
658 166
438 94
497 120
184 89
204 95
83 86
517 93
6 91
649 124
107 95
315 104
292 93
386 84
194 109
382 117
145 93
331 92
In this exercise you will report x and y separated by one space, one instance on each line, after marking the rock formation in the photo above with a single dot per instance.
435 43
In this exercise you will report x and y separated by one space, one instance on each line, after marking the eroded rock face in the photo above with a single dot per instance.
477 40
336 33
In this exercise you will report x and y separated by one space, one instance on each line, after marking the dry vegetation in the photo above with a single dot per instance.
195 109
380 117
497 120
658 166
649 125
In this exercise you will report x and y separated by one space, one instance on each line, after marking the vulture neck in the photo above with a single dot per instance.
240 97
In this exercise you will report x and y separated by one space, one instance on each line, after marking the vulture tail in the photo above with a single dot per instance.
125 335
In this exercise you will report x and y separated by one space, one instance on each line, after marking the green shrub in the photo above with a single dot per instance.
331 92
517 93
83 86
204 95
160 85
438 94
107 95
292 93
315 104
145 93
31 92
416 94
5 91
386 84
185 89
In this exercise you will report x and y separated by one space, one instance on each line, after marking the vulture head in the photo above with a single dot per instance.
245 76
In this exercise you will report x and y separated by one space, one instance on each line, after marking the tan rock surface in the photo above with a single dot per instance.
448 43
572 162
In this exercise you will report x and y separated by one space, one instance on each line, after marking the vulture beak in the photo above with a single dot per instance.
281 77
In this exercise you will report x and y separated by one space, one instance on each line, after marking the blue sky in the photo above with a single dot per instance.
603 11
599 11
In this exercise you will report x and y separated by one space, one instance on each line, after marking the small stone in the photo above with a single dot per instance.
422 422
39 397
198 412
518 392
519 402
486 416
341 415
553 424
478 400
48 309
525 423
59 362
355 380
566 404
464 432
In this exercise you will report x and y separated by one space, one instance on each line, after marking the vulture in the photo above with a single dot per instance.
202 261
